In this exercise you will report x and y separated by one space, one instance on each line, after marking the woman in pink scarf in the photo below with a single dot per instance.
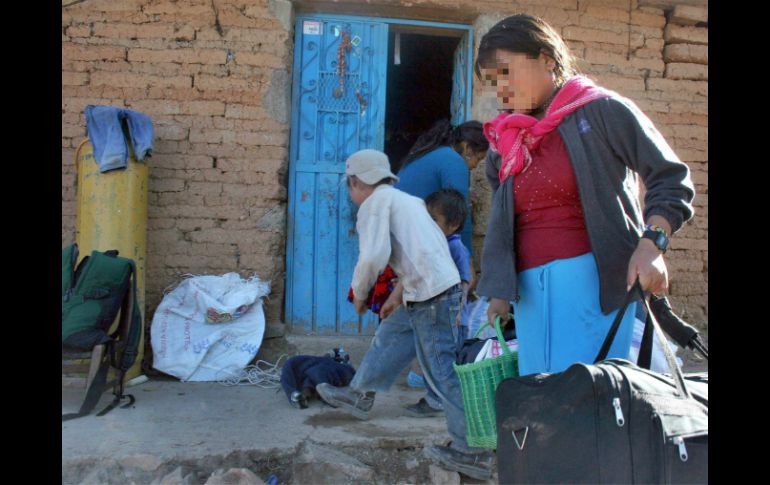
567 235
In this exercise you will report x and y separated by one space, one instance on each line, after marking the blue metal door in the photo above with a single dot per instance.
461 82
338 108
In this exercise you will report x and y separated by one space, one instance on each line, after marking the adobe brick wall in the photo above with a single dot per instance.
215 78
215 83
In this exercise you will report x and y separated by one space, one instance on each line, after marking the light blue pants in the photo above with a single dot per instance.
559 319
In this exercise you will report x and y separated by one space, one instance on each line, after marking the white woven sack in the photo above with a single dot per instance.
209 326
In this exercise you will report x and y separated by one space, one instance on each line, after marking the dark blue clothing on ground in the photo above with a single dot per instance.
441 168
105 130
306 371
461 257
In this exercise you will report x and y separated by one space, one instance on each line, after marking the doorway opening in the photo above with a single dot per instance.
419 85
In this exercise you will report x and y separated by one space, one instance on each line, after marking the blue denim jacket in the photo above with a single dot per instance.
104 124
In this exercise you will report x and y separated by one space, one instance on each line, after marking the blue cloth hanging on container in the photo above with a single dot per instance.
105 130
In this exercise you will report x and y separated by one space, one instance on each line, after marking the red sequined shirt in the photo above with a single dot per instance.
548 214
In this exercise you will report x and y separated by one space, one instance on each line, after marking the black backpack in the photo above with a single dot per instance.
93 293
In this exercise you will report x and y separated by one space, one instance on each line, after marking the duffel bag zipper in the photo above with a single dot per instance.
680 443
618 412
619 418
677 440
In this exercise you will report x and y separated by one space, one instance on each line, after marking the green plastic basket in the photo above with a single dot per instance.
478 383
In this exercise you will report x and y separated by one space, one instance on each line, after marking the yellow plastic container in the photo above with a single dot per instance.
112 214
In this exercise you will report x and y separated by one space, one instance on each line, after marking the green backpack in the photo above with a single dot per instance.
93 293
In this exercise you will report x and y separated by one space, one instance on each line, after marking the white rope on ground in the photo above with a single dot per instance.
262 374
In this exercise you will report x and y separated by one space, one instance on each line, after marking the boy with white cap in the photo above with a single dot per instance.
395 228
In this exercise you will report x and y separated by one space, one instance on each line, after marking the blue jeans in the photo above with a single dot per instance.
427 330
430 396
105 130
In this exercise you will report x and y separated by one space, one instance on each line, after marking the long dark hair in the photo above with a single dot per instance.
442 133
528 35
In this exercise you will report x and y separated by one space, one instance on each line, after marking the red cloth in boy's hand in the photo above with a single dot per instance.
380 292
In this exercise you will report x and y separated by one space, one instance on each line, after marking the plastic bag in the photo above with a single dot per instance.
474 315
209 326
491 349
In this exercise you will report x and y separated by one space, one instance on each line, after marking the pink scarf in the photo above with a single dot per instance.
514 135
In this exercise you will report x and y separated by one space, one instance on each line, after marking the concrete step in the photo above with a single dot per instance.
205 426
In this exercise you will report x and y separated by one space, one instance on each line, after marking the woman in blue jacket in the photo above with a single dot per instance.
442 158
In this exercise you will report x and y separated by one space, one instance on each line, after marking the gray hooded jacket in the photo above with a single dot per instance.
609 141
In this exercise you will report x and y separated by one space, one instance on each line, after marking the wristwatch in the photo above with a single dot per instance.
657 236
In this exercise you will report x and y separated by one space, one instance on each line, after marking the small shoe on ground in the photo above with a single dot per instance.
422 410
415 381
347 399
475 465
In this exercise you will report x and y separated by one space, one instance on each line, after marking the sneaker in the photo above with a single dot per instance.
356 403
475 465
422 409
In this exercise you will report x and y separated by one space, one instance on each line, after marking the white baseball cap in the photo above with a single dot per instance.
370 166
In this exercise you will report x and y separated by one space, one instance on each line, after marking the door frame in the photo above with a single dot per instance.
294 126
467 29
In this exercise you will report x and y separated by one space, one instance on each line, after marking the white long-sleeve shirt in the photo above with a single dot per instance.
395 228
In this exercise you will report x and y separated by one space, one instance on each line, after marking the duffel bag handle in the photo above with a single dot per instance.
676 372
630 296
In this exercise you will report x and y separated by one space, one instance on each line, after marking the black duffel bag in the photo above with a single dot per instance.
610 422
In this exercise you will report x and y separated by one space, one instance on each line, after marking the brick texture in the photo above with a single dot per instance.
219 160
695 72
689 15
691 53
676 34
680 111
221 156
